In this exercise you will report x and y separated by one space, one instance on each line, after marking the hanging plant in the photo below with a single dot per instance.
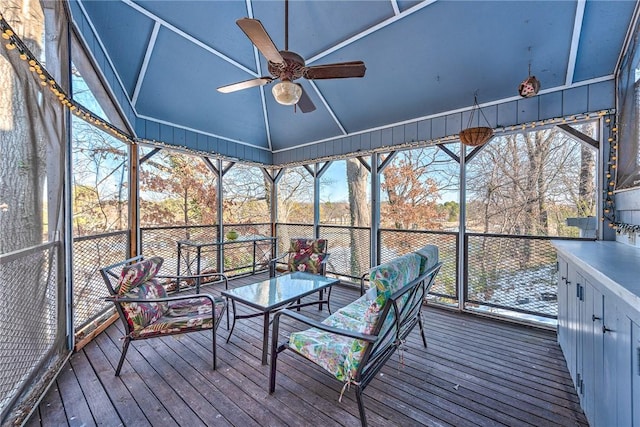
478 135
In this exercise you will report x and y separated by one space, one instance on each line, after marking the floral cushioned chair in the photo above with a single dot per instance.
354 343
307 255
146 311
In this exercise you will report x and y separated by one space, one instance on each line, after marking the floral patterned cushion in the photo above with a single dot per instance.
391 276
307 255
337 354
185 315
429 257
316 246
362 309
138 273
139 314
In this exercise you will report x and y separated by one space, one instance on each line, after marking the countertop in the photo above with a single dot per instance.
613 264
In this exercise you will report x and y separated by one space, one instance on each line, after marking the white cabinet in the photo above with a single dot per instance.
635 368
600 338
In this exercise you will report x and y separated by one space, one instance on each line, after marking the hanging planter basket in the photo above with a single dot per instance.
478 135
475 136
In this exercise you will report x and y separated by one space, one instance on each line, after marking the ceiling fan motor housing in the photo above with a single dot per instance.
291 69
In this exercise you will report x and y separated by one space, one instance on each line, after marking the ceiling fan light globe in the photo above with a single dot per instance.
287 93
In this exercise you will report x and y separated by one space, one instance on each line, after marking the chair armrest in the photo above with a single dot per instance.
272 264
363 278
121 299
273 260
318 325
324 264
198 278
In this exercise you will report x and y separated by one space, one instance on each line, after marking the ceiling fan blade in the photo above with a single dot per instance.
305 104
245 84
260 38
336 71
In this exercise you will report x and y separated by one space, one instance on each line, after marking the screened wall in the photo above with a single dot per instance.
33 316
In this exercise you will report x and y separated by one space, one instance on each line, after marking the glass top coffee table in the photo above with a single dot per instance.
276 293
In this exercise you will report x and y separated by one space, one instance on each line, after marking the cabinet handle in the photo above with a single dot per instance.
605 329
594 318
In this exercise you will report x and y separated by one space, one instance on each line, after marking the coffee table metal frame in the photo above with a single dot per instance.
276 293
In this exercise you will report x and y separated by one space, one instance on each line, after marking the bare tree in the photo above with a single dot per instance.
22 163
295 196
245 195
519 179
357 176
99 180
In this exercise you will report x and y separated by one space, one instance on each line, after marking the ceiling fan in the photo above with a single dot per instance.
288 66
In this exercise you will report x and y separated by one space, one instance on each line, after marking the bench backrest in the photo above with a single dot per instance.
401 286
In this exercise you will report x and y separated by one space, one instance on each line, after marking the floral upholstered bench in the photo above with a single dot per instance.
354 343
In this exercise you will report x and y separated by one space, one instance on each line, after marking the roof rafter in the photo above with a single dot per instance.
326 105
145 62
575 41
371 30
394 5
188 36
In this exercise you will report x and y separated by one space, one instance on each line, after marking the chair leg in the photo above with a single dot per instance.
320 296
213 329
125 347
424 340
363 417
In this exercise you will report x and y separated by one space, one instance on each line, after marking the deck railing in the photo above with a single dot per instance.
90 253
511 276
399 242
32 319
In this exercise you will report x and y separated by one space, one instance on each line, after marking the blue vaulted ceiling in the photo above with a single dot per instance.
423 58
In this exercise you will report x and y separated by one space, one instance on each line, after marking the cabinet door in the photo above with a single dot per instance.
635 372
623 369
592 352
607 403
571 348
562 303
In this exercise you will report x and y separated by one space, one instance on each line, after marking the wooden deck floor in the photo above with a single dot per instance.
475 372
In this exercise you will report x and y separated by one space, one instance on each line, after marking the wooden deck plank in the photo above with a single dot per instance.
475 372
129 412
100 404
159 385
51 409
143 397
76 407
